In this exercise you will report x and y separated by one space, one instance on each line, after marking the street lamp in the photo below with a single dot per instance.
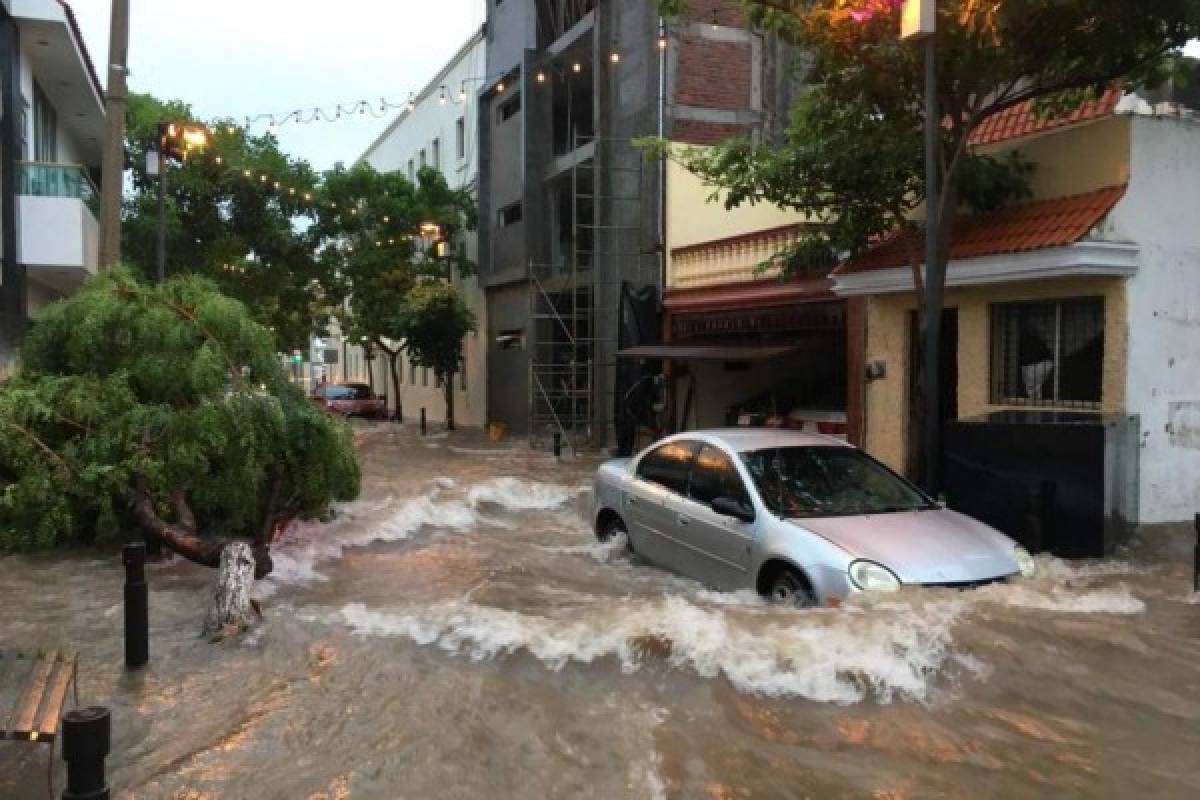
919 21
175 140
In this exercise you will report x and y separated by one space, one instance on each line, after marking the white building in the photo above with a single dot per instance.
438 130
51 134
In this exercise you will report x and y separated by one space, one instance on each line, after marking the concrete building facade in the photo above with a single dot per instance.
573 214
51 131
439 130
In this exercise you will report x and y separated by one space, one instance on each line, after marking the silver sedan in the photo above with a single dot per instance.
801 518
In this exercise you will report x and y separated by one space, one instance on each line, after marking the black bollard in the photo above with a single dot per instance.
137 606
422 420
86 740
557 444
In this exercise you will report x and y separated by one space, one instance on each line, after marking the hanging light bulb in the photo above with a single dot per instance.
218 160
386 220
662 40
577 67
246 173
541 76
276 185
614 57
500 87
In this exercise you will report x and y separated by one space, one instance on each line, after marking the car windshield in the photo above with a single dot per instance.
829 482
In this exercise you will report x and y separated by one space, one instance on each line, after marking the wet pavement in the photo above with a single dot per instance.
458 632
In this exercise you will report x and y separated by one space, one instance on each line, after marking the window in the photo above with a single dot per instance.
714 475
829 482
509 215
437 154
509 108
1048 353
460 138
668 465
45 127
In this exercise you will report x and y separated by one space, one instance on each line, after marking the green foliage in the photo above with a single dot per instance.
216 216
852 156
170 388
436 320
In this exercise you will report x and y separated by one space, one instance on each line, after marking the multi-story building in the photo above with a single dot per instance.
439 129
574 215
51 134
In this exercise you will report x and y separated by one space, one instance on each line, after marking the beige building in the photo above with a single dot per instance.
1082 301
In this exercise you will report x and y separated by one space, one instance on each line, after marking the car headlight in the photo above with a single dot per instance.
872 577
1025 562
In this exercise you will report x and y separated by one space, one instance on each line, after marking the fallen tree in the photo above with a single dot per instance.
161 410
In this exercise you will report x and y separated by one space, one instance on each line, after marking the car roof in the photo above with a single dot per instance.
743 440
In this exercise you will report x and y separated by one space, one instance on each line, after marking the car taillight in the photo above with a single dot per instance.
832 428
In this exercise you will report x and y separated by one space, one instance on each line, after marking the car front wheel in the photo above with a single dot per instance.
788 589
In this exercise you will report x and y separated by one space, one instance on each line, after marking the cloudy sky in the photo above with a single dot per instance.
233 58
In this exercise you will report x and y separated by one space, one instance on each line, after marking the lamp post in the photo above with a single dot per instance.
919 22
175 140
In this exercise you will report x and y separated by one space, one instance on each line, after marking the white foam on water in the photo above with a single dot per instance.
515 494
835 657
1116 600
305 546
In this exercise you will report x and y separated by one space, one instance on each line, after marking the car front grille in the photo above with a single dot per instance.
967 584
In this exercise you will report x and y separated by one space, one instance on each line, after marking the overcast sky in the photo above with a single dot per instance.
243 57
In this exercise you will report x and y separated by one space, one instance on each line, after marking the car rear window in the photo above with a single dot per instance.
668 465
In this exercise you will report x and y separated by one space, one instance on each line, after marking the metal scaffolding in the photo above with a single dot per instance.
574 306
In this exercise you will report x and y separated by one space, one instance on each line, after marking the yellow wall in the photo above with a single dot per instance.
888 331
693 219
1075 160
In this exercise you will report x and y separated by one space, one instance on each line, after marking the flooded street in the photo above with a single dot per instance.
458 633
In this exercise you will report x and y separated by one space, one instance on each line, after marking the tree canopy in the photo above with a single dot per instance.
436 320
377 252
224 221
852 152
161 408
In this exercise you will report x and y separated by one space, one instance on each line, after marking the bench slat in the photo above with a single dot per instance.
56 695
19 666
23 723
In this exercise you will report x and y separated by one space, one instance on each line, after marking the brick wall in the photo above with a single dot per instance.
729 12
714 74
692 131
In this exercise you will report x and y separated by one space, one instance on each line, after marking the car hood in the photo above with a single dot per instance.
937 546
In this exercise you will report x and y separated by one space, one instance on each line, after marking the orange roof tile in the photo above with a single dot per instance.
1018 229
1019 120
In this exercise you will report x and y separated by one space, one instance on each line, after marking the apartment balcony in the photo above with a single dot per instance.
57 206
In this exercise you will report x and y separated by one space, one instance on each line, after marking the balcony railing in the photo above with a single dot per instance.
43 179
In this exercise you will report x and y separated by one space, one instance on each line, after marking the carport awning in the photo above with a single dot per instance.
679 352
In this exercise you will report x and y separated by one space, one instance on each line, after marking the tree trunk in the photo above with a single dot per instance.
448 386
393 358
185 540
231 611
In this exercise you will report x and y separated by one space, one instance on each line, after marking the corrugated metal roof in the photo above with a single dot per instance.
1018 229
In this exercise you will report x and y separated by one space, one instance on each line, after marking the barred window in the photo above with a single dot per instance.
1048 353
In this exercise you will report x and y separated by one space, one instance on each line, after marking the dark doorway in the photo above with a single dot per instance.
947 384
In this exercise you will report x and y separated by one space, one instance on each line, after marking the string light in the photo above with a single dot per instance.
541 76
500 87
614 57
577 67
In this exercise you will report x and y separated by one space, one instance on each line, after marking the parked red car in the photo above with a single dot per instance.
350 400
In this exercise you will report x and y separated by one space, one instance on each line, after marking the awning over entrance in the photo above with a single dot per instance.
733 352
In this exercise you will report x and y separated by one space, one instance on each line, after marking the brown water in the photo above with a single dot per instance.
458 633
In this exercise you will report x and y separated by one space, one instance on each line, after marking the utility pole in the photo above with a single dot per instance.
919 22
113 161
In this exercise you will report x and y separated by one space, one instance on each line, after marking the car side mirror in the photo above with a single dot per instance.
728 507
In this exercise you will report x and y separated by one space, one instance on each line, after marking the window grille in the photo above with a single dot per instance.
1048 354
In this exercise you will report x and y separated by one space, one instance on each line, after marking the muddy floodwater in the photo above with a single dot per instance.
459 633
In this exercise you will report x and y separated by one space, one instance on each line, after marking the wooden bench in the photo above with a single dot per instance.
33 690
